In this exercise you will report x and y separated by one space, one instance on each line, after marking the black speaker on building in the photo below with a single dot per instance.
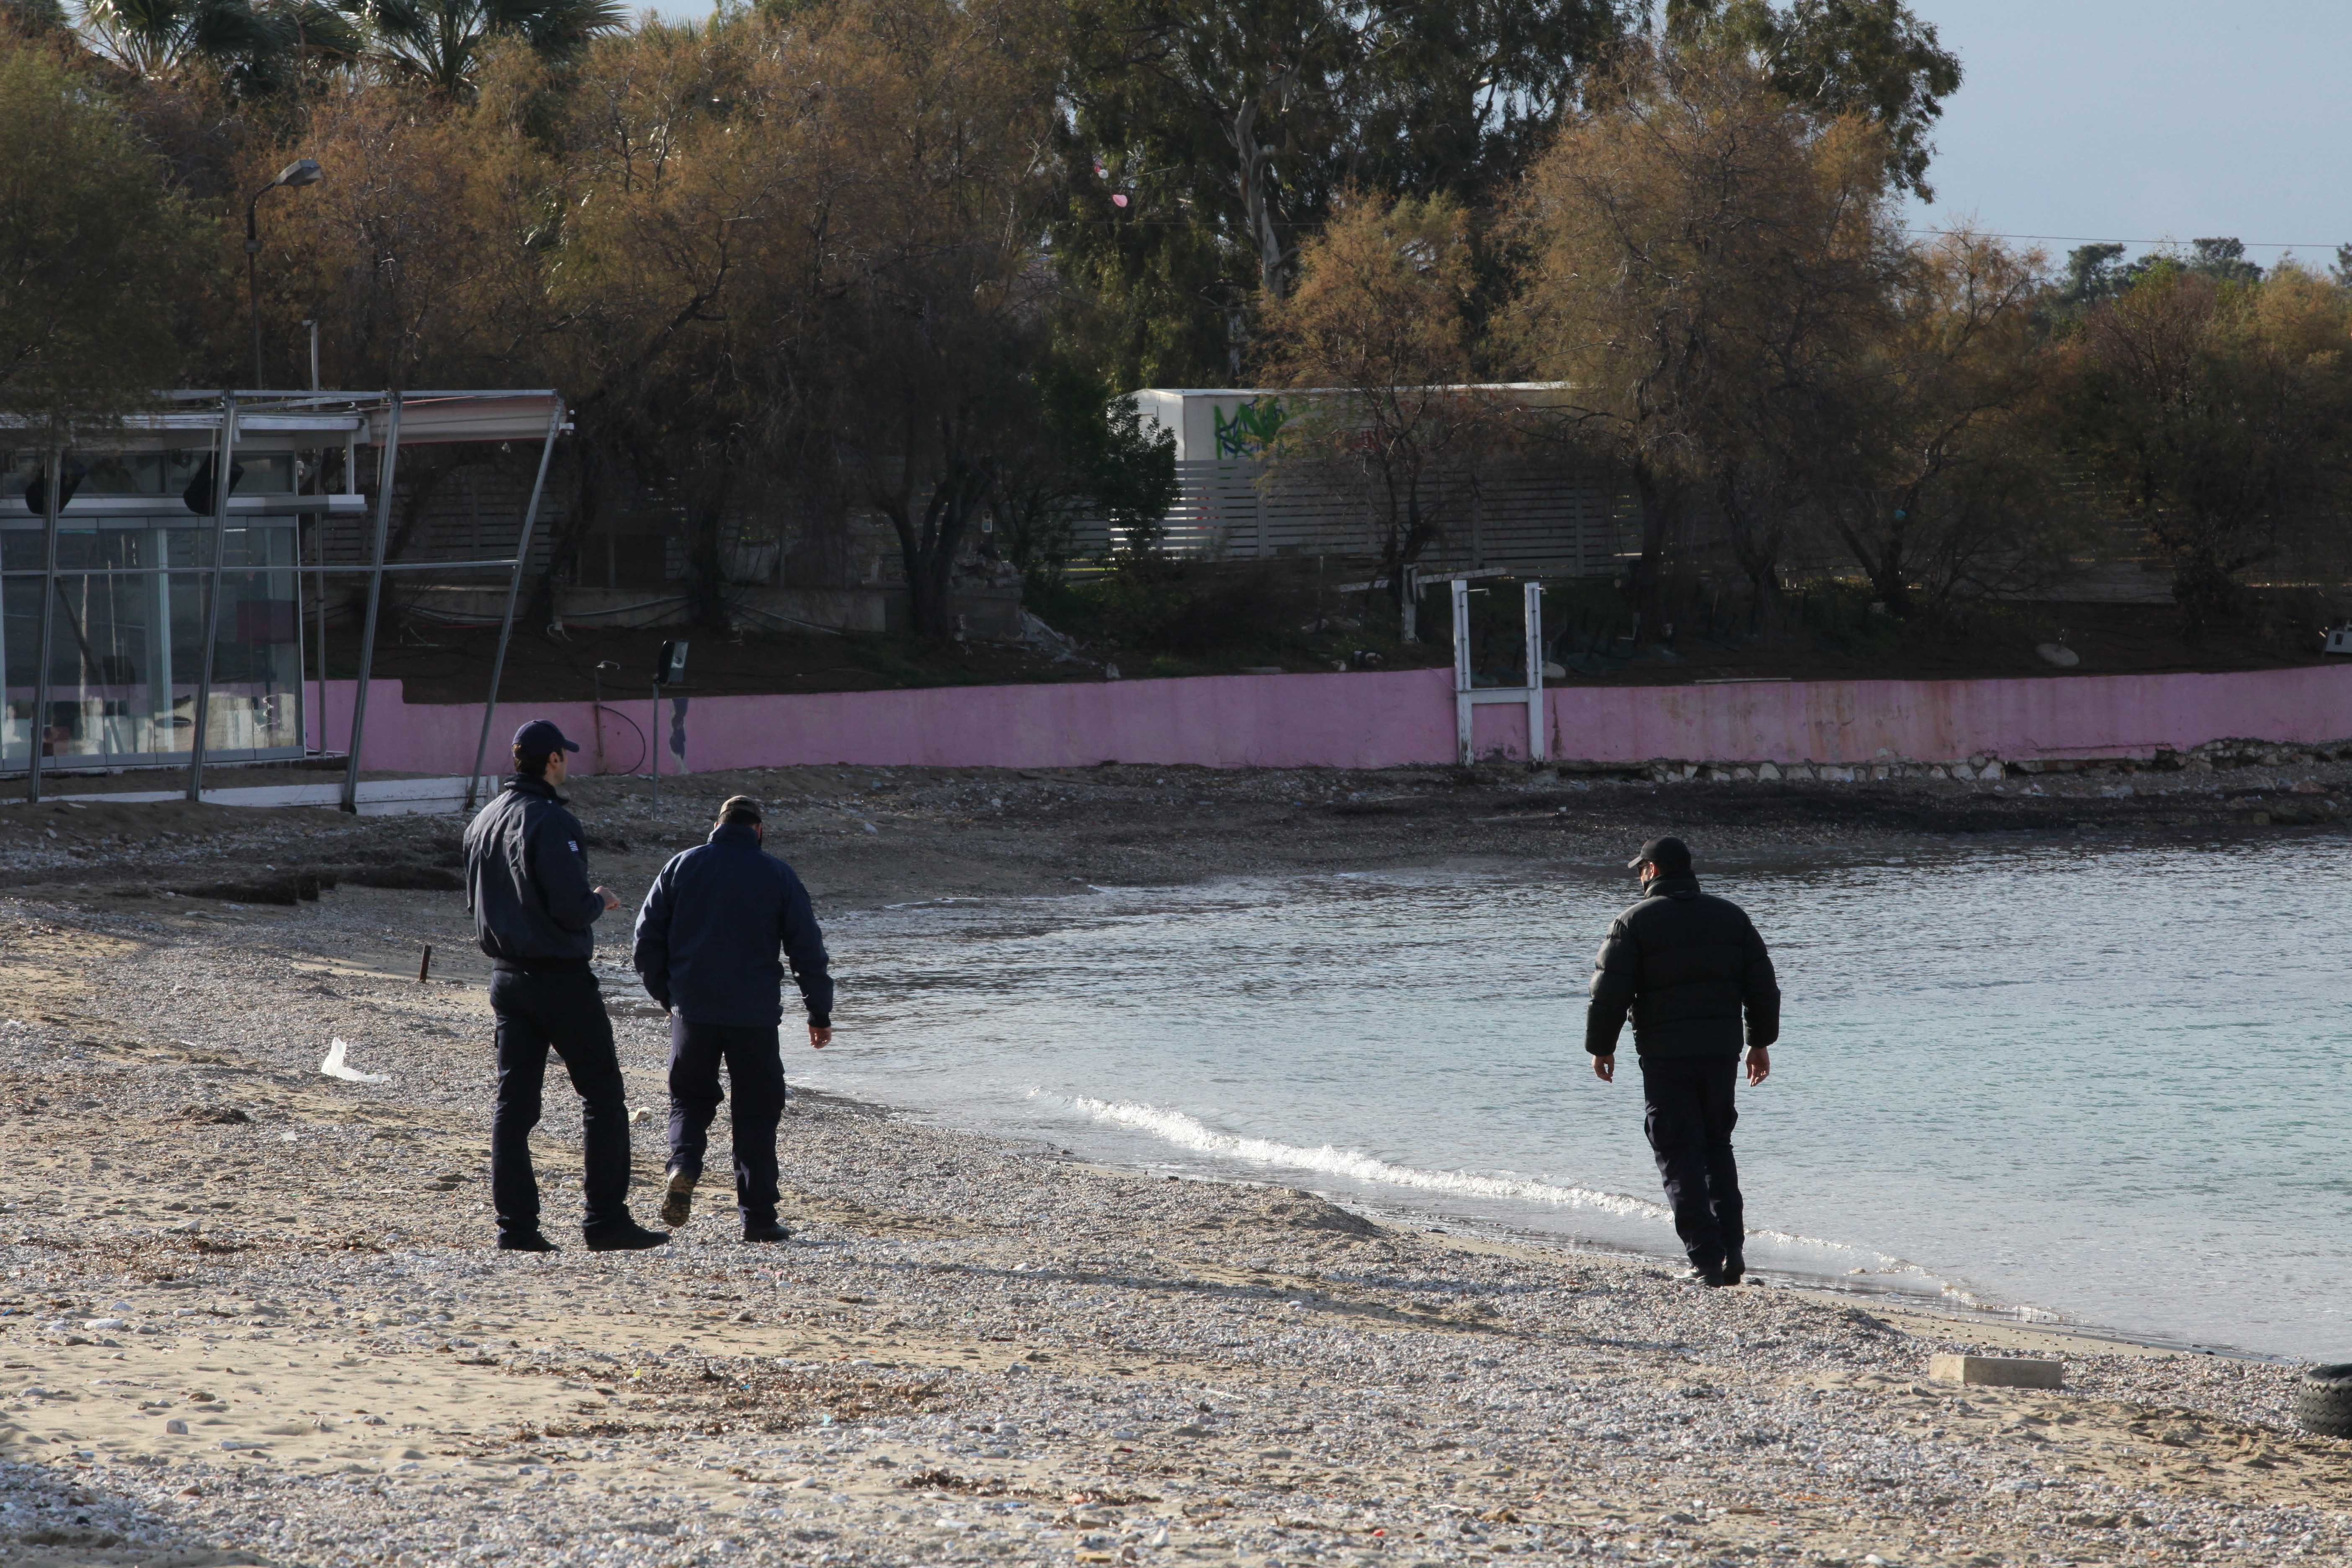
37 494
198 496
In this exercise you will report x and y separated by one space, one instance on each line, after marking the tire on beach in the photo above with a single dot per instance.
2324 1405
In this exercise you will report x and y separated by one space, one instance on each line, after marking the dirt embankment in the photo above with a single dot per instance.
868 834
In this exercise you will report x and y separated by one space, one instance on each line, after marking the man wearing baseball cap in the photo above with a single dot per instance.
1687 965
535 912
708 939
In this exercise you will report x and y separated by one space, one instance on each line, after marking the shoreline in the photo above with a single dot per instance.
971 1352
2020 1326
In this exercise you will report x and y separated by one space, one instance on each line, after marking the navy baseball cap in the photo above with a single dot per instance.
541 738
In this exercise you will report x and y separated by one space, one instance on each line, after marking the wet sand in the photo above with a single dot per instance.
970 1350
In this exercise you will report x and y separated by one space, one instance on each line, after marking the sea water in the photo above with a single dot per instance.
2109 1085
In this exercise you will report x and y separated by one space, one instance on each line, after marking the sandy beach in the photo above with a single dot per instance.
249 1315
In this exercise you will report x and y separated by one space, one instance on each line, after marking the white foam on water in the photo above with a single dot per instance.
1190 1133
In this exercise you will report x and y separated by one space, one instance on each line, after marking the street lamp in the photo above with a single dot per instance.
301 172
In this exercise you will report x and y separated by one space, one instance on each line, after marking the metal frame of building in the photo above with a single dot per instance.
351 419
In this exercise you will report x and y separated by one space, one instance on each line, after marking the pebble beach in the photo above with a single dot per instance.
249 1313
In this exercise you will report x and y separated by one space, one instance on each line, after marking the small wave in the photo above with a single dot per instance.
1186 1132
1190 1133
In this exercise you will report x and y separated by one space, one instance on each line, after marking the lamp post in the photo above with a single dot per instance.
301 172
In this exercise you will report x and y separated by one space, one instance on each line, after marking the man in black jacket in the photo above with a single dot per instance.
1687 965
535 913
707 941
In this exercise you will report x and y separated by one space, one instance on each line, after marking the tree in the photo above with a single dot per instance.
256 49
400 251
442 43
94 246
1702 255
1091 455
2217 410
1931 460
1873 59
1379 318
1205 143
936 303
697 189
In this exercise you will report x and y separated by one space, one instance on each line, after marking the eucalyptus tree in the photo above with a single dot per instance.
1206 143
1872 59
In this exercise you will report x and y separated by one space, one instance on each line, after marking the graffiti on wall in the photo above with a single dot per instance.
1251 429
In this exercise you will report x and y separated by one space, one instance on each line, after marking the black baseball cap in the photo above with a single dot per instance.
541 738
1671 855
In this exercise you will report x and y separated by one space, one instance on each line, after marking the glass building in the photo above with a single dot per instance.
141 540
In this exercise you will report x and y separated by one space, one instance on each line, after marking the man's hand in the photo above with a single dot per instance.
1759 1065
1605 1068
820 1036
611 903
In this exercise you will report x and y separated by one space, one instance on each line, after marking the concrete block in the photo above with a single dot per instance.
1996 1371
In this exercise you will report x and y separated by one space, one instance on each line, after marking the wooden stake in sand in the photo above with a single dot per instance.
424 965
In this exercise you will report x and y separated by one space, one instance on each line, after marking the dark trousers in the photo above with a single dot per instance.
1689 1120
755 1067
563 1011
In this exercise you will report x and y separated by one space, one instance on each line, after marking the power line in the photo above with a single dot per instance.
2105 240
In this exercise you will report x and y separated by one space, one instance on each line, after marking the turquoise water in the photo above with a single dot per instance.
2099 1085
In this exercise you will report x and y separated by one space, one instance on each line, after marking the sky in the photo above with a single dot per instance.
2143 120
2138 121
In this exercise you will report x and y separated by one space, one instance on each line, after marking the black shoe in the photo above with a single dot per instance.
765 1230
1711 1277
1735 1268
525 1241
678 1200
626 1236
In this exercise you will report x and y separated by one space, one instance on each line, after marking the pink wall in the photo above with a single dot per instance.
1384 720
1941 720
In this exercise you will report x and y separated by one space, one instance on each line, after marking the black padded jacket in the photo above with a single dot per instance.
1687 965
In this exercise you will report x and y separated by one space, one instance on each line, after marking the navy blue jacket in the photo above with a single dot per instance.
708 935
1688 965
527 879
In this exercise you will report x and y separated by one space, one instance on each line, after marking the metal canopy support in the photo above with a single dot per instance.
35 735
385 473
514 590
223 476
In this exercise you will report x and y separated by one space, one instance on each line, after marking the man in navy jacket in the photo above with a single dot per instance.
707 937
535 914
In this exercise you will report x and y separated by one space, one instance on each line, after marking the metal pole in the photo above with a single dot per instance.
653 743
37 736
318 588
1537 737
514 589
253 280
384 475
1462 671
222 478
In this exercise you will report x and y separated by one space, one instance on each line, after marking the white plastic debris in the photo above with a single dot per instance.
336 1067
